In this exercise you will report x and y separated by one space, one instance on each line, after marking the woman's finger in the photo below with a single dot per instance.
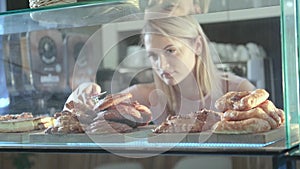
93 89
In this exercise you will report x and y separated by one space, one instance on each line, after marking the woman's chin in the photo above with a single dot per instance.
170 82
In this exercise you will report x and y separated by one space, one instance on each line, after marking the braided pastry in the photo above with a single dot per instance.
245 100
252 125
235 115
272 111
247 112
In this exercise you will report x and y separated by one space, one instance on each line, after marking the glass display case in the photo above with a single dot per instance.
47 52
291 22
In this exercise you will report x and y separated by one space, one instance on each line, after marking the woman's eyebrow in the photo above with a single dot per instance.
166 47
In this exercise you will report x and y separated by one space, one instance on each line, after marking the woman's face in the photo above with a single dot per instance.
172 59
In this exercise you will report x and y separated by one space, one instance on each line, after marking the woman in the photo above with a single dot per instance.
185 77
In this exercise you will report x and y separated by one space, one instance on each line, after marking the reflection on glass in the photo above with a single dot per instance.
4 96
176 7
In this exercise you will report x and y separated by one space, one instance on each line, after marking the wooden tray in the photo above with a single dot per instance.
22 137
138 133
13 137
75 138
209 137
145 132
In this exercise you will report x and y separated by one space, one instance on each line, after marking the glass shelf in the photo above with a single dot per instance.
141 145
68 16
91 13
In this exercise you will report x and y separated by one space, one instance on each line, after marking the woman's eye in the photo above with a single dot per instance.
171 51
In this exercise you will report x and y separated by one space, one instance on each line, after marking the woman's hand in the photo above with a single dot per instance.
84 94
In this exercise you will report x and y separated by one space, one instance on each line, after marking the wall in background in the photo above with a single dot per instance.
17 4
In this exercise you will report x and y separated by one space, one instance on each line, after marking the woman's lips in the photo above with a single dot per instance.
167 75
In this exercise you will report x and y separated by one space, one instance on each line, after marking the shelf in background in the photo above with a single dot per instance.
243 14
215 17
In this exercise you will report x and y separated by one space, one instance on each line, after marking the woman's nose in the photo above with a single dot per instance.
162 62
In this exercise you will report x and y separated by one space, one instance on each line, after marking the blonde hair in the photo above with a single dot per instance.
207 76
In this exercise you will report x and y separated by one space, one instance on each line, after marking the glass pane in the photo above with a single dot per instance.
290 64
